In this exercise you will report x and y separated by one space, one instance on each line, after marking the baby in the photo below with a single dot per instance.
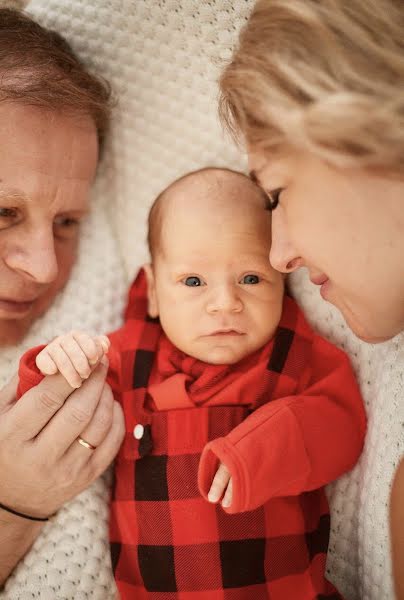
237 413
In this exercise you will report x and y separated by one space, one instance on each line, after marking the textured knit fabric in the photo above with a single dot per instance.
286 420
163 58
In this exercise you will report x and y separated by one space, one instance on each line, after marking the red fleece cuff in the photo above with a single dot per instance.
215 452
28 372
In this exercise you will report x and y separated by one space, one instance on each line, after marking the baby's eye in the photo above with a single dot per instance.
250 279
193 281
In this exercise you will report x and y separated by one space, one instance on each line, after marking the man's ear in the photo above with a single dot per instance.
152 304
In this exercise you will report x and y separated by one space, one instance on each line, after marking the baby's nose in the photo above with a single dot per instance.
225 299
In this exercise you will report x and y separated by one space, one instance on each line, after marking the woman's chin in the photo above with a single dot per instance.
371 333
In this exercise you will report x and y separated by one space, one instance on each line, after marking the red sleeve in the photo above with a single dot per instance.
30 376
293 444
28 373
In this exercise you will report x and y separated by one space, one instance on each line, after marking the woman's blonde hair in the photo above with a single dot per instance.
325 76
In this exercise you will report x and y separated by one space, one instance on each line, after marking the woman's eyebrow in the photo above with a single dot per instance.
253 176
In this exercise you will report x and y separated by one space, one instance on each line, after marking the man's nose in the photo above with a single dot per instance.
283 256
225 298
35 257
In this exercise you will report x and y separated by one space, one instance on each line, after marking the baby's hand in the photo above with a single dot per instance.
222 485
74 355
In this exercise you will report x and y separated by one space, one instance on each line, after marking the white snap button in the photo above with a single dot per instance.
138 431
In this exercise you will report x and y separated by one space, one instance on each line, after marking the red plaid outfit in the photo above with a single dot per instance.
285 421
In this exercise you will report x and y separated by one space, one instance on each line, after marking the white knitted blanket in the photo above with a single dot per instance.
163 58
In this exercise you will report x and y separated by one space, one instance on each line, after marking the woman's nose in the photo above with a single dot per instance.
283 256
224 299
35 257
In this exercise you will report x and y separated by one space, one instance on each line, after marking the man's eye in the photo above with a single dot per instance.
8 213
9 217
66 222
273 198
66 227
250 279
193 281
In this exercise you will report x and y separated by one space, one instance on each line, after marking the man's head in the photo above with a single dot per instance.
53 114
210 281
39 68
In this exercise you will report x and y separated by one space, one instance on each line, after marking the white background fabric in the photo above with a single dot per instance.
163 58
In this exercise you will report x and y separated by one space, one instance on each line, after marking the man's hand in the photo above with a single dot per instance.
42 465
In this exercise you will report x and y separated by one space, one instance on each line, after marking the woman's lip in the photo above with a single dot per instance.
320 280
324 289
13 306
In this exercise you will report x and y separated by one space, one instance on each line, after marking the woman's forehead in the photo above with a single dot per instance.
262 165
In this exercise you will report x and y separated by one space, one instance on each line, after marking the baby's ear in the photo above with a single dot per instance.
152 304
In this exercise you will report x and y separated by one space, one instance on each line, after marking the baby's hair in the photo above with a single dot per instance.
156 213
323 76
39 68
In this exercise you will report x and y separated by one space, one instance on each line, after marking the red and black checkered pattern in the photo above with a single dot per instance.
167 541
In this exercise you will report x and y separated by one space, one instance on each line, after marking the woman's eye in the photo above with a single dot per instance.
250 279
193 281
273 198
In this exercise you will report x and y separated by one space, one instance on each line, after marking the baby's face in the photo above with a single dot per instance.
212 285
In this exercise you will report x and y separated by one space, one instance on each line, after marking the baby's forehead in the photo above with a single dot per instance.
217 189
207 202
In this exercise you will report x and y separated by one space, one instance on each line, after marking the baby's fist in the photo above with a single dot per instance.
74 355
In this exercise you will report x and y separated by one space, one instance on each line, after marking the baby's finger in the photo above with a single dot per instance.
64 365
219 483
45 363
90 345
76 355
228 496
104 341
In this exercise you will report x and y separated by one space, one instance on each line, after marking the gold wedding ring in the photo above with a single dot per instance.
85 444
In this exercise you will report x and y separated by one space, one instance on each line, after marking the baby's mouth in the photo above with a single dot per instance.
226 332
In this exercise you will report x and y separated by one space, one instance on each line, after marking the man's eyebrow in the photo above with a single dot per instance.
12 194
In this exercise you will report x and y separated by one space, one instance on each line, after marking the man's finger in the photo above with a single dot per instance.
108 449
76 413
8 394
96 431
36 408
